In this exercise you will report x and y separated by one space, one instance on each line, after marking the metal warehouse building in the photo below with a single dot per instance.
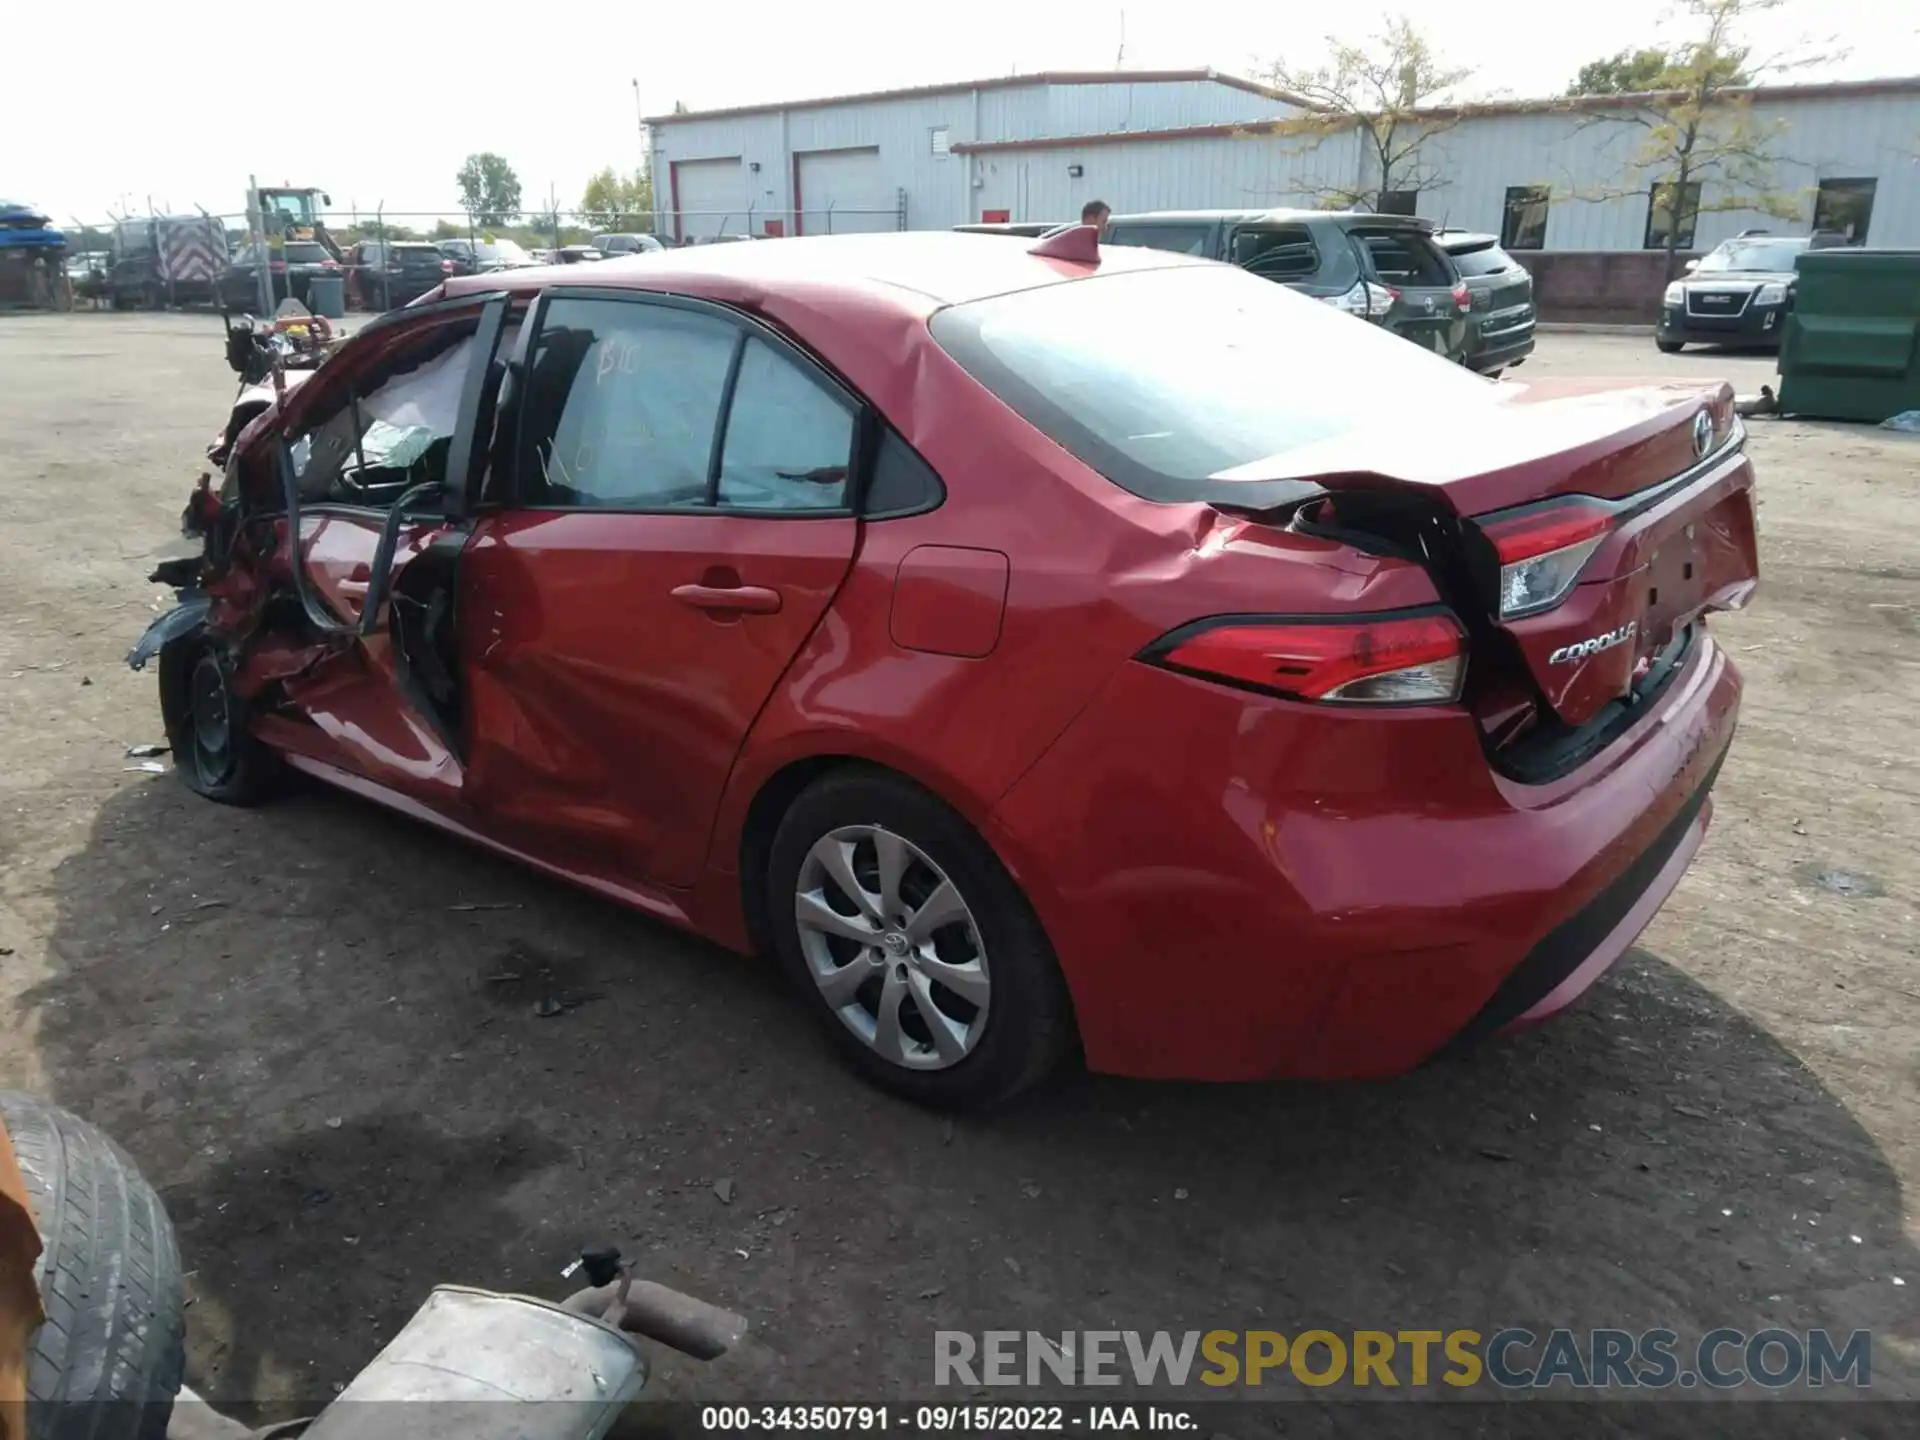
1036 147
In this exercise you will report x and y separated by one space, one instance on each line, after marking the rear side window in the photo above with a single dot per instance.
1284 252
298 253
789 443
649 407
1486 260
1405 257
622 404
1162 379
1180 239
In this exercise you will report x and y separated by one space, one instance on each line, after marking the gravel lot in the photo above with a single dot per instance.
280 1016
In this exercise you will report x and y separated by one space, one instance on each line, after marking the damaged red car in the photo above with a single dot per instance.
1033 648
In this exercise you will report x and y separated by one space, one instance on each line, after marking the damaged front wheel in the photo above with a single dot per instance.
214 750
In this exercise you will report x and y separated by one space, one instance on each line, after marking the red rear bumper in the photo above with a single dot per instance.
1240 887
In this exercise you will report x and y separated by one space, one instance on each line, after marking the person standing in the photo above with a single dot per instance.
1095 213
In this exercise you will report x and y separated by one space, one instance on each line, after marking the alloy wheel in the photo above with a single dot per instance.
893 947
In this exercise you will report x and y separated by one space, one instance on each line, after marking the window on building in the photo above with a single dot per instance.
1398 202
1842 209
1672 210
942 146
1523 226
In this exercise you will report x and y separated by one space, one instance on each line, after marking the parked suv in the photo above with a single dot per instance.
381 275
1738 293
1500 329
1384 268
629 244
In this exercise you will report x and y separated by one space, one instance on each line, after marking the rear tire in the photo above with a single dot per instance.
1008 1020
107 1363
1669 347
209 727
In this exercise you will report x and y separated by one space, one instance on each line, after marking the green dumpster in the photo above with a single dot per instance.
1852 349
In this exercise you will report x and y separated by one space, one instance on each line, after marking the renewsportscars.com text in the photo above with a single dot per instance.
1511 1359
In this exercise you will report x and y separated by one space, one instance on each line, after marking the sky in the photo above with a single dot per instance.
382 111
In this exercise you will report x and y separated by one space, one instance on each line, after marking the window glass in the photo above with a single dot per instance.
1160 379
1773 255
1405 257
1524 226
1181 239
1478 260
622 402
1282 252
1842 209
789 442
304 252
1672 209
1399 202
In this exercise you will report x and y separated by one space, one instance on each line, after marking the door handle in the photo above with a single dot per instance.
738 599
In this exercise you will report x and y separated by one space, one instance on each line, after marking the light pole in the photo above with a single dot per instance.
646 156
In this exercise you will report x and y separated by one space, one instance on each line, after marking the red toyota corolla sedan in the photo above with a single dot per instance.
1029 646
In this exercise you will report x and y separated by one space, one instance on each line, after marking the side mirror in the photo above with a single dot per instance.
1689 267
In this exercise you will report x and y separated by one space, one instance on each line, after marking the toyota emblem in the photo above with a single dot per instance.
1702 434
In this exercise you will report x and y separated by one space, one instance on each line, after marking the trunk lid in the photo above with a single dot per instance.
1652 477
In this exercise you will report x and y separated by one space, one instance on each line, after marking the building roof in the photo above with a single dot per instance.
999 82
1559 104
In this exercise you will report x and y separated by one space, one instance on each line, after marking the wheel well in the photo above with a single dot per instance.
764 815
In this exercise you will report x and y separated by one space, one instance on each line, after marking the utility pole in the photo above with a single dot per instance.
646 151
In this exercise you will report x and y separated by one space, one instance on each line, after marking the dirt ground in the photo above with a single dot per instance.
291 1022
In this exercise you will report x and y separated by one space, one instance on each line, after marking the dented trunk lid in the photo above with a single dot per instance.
1666 464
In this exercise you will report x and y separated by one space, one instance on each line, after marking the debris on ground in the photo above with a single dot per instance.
1907 422
143 752
145 767
1764 403
334 1122
1846 883
487 905
724 1189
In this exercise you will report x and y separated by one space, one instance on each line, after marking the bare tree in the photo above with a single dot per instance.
1702 150
1389 88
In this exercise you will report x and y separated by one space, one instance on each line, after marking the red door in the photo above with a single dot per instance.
679 526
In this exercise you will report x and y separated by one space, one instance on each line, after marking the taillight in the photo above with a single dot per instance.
278 267
446 267
1542 549
1462 296
1400 659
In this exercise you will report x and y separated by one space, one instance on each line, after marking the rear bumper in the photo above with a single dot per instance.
1240 887
1501 351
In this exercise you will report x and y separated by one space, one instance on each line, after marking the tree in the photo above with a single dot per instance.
615 202
1702 150
489 190
1635 72
1387 88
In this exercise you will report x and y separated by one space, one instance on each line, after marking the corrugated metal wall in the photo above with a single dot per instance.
1474 164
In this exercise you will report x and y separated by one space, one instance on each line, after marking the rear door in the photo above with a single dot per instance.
679 520
1181 237
1289 255
1430 304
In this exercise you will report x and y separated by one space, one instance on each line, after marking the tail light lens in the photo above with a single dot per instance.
446 267
278 267
1462 296
1401 659
1542 549
1365 298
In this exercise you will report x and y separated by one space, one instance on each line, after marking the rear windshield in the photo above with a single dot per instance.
1180 239
1482 260
297 253
507 250
1406 257
1159 379
416 255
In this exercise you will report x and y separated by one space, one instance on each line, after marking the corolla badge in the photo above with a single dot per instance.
1594 644
1702 433
1429 302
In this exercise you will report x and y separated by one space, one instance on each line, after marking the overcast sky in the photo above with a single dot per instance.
382 104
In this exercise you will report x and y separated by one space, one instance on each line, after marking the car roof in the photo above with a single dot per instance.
1272 216
933 265
1465 239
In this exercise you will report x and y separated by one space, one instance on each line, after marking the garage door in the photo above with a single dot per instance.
842 191
711 196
